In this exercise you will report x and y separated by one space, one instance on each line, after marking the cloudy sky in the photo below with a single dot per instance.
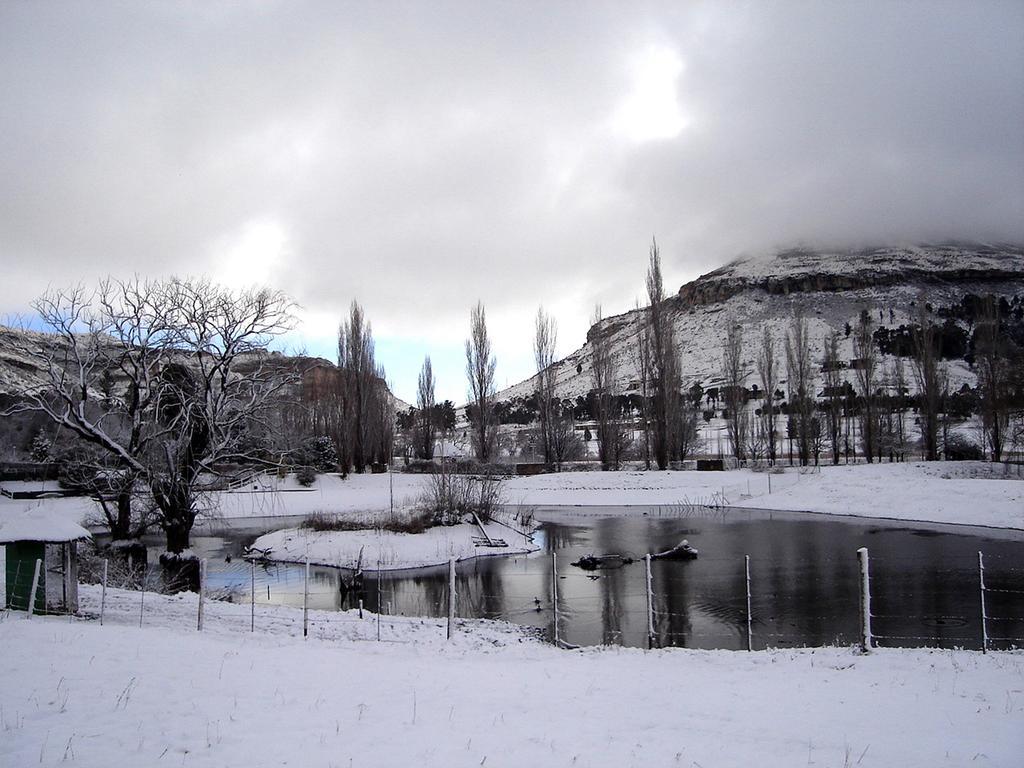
420 156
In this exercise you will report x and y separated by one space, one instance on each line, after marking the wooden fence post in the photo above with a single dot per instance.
32 592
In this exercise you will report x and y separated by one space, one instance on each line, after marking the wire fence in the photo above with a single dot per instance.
734 606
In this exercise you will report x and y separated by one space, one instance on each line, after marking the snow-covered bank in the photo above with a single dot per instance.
118 695
940 492
393 551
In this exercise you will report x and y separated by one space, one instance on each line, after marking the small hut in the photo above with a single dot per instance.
52 540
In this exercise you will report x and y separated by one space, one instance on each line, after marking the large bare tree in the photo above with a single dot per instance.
193 385
480 366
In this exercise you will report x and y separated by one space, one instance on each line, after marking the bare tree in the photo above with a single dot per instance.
831 370
480 366
198 384
899 379
768 374
733 377
991 359
545 341
665 375
425 417
604 372
800 377
867 379
642 361
930 382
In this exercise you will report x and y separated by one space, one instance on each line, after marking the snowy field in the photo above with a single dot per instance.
80 694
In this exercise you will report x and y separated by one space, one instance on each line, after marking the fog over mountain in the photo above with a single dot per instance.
418 157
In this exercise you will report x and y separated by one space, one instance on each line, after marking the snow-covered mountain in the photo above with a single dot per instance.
831 288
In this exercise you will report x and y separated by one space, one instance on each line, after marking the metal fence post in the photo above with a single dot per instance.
750 633
554 597
650 602
865 599
981 584
451 595
202 584
32 592
305 601
252 596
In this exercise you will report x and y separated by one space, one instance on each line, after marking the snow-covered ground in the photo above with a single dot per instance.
389 551
936 492
77 693
942 492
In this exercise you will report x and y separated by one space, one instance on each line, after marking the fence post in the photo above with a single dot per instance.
252 595
769 481
103 592
981 584
451 595
32 592
750 632
650 602
202 585
554 597
305 600
360 609
380 605
865 599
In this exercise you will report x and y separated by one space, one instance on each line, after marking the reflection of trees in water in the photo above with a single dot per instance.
613 606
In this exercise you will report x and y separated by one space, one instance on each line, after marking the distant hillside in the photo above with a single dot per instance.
831 288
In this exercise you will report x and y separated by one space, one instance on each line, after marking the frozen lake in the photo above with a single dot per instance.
804 580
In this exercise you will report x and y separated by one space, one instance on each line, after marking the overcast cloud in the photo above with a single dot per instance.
419 156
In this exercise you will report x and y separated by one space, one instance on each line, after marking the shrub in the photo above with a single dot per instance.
449 496
960 448
305 476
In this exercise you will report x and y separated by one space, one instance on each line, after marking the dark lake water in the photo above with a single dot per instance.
804 581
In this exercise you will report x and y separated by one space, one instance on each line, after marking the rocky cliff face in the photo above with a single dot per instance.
830 288
803 271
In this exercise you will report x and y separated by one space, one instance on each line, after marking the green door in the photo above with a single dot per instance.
21 564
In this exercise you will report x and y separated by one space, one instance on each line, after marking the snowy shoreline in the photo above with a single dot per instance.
383 550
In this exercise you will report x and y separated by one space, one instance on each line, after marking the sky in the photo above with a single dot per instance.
420 157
